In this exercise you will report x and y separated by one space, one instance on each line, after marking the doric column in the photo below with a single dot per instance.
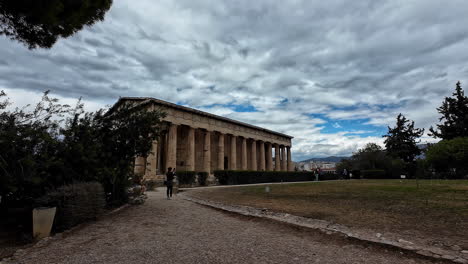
268 157
171 147
233 158
277 158
221 152
284 166
191 149
244 154
290 164
207 152
262 156
253 156
139 165
152 160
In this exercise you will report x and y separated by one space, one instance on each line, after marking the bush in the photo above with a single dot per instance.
229 177
329 177
202 176
449 158
186 177
76 203
150 185
374 174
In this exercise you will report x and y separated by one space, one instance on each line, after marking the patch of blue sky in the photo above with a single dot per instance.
377 107
235 107
354 127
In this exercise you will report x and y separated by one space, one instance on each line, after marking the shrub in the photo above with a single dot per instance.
229 177
449 158
150 185
374 174
76 203
186 177
329 176
202 176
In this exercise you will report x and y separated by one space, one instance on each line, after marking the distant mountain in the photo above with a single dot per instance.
327 159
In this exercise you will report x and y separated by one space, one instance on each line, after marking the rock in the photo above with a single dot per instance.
456 247
329 233
378 235
405 241
464 251
425 253
449 257
460 260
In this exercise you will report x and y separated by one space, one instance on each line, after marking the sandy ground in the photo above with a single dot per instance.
179 231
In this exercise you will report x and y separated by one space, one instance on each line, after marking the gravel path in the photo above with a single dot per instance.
179 231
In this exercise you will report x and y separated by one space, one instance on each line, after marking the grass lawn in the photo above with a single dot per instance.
436 210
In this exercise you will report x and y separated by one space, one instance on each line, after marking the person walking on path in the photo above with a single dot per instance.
169 182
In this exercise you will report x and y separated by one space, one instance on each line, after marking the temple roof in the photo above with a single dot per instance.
147 100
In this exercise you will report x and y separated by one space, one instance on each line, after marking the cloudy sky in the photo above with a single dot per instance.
333 74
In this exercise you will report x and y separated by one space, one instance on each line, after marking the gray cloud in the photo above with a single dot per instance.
344 61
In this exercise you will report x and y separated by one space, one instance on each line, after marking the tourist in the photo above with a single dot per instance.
169 182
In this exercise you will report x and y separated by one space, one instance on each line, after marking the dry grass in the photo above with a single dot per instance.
436 209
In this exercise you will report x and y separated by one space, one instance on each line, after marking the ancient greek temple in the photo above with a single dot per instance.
194 140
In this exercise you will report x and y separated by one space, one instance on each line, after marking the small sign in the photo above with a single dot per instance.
403 176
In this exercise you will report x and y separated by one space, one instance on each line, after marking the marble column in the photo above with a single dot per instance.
171 147
253 156
244 154
221 152
207 152
284 166
139 165
152 160
269 159
277 158
290 164
262 156
191 149
233 158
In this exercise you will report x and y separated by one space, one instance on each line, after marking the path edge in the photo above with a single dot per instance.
326 227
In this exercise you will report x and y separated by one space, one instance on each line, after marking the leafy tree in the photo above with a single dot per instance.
371 157
401 141
38 23
454 118
29 144
53 145
449 157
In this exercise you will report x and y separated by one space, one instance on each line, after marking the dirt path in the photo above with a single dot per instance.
179 231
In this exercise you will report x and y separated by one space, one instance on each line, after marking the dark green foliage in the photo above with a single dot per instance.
229 177
38 23
55 145
401 140
30 161
449 158
76 203
186 177
150 185
202 176
372 158
374 174
454 111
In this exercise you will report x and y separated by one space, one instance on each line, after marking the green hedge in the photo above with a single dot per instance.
227 177
374 174
202 176
186 177
76 203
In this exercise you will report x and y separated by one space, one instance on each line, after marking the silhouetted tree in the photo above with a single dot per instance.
38 23
454 118
401 141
